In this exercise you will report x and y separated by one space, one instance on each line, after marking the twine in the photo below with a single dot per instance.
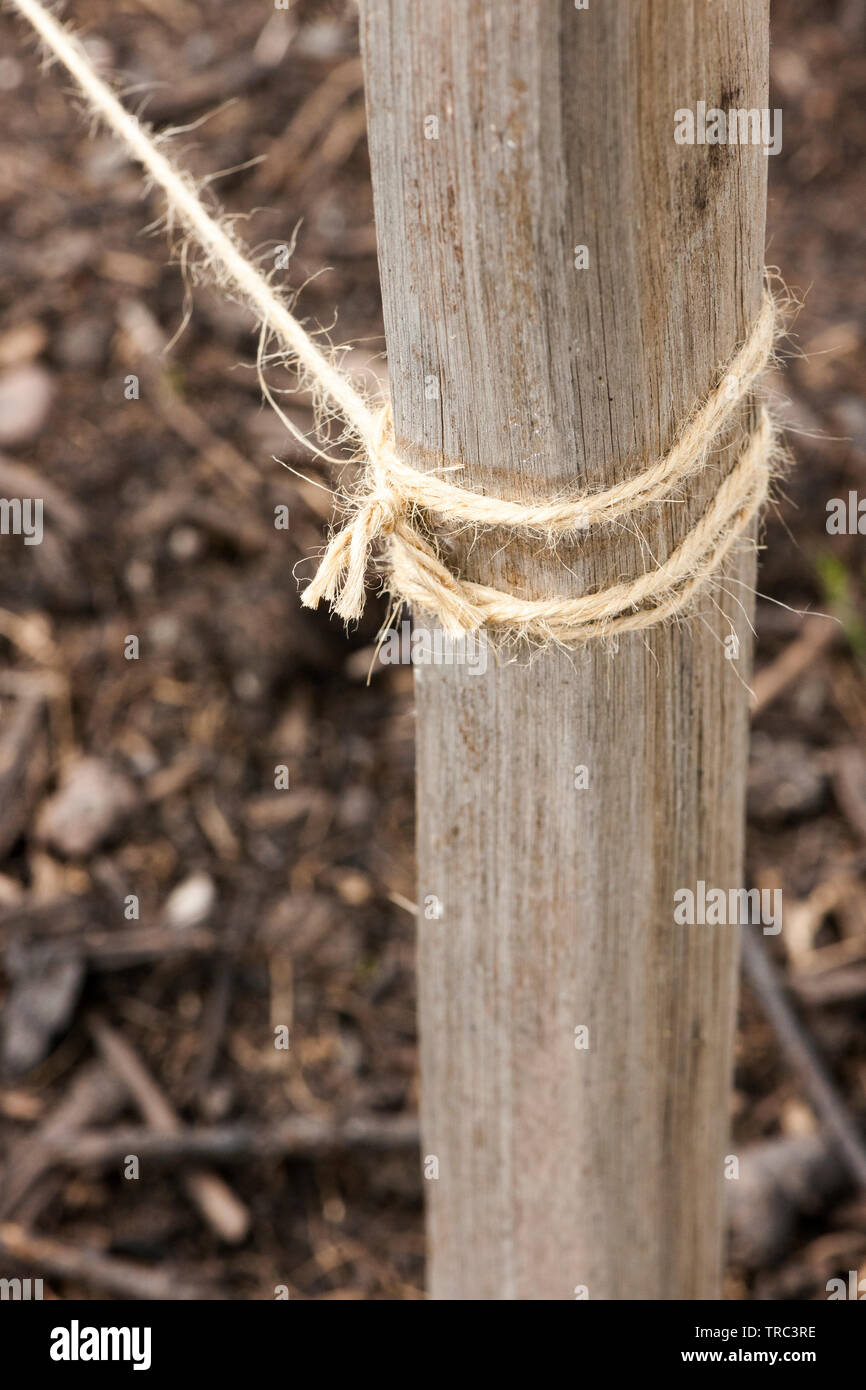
395 499
394 502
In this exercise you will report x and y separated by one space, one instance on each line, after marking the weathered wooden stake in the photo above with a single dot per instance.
504 135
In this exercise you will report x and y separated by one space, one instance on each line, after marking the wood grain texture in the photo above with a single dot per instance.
561 1167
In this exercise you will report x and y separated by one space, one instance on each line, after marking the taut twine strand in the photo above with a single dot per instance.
394 501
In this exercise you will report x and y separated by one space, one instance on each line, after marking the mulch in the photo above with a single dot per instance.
213 974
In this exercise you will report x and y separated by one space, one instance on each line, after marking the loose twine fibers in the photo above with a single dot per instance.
393 503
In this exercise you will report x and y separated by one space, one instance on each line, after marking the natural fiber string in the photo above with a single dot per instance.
393 493
395 499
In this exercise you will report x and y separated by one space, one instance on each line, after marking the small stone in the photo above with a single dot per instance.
41 1004
89 807
354 887
22 343
25 399
191 902
185 542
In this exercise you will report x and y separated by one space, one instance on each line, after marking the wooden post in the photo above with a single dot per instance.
505 134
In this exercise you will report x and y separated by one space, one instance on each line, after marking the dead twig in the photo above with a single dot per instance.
298 1136
66 1261
147 343
214 1023
23 765
95 1096
802 1054
841 984
849 788
316 115
816 635
116 950
210 1194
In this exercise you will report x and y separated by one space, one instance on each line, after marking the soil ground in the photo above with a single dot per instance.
260 909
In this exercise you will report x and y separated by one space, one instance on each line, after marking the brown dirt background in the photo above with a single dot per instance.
160 524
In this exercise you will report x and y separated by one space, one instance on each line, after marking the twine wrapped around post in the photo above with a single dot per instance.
395 500
393 505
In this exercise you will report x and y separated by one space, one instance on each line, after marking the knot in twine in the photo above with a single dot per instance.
387 510
395 501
